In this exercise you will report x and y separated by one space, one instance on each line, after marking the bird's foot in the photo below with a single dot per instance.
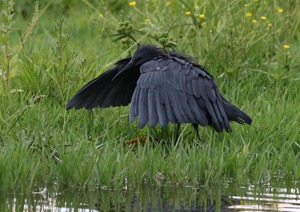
136 140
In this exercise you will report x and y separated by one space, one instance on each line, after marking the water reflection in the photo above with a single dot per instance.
153 198
272 199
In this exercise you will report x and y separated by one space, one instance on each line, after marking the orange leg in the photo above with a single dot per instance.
135 141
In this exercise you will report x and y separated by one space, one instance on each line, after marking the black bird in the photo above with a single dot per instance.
163 87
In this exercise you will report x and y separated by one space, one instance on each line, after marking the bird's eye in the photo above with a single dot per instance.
138 59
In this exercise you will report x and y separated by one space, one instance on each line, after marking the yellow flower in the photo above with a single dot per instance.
188 13
132 3
147 20
248 14
280 10
246 5
286 46
255 0
254 21
197 7
203 24
168 3
270 25
202 16
263 18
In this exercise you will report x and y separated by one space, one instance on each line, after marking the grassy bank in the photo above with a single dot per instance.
251 47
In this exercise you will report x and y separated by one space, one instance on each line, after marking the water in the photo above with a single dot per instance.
159 198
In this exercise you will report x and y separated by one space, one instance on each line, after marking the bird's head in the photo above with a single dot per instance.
143 54
146 53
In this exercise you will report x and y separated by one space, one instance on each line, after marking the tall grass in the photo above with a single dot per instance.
251 47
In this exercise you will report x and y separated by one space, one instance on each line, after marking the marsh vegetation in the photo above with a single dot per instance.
51 49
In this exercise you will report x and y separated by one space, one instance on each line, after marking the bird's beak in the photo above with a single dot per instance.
127 67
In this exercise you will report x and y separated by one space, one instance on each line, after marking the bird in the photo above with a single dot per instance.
162 86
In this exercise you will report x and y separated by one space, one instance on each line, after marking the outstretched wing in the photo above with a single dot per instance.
105 91
177 91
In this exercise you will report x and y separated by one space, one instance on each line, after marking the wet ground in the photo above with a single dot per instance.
158 198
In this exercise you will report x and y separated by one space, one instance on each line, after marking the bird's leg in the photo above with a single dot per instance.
196 129
135 140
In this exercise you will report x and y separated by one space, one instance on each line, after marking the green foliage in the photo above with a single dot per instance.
9 60
251 47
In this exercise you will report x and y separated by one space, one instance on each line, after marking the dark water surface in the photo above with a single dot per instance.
158 198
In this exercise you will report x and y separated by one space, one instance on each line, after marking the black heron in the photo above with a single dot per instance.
163 87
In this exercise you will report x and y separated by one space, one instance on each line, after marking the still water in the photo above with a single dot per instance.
158 198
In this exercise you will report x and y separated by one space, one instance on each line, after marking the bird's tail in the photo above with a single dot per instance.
235 114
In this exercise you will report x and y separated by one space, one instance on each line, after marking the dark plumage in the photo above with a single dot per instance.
163 87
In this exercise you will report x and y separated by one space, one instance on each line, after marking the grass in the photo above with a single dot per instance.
41 142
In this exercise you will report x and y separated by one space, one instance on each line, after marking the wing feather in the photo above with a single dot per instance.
177 91
143 107
104 92
161 109
134 104
153 115
197 110
176 104
169 109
